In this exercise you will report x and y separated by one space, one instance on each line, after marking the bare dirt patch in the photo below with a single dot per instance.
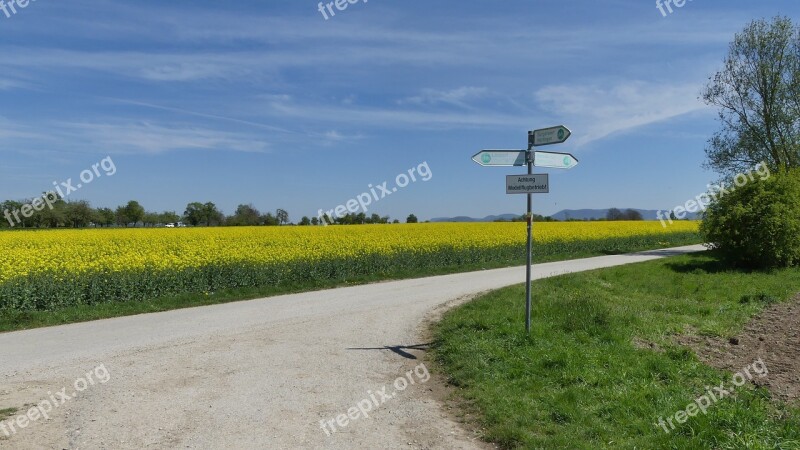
773 336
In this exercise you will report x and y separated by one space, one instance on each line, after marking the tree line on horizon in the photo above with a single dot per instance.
80 214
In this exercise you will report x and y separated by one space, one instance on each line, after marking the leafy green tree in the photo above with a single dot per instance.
305 221
245 215
52 217
615 214
151 219
120 217
133 212
79 214
168 217
412 219
758 97
270 220
282 216
104 217
194 213
757 225
212 215
632 214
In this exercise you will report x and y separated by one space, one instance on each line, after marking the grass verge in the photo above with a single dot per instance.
15 318
7 412
579 381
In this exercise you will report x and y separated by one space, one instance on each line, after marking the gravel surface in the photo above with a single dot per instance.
255 374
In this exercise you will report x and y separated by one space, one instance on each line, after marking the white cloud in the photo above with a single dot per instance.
456 97
603 110
146 137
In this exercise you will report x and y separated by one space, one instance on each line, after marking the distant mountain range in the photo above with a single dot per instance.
588 214
575 214
472 219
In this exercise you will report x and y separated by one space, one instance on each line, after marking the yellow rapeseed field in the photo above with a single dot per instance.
70 252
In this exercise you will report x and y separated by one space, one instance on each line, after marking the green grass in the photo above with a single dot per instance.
7 412
45 311
578 381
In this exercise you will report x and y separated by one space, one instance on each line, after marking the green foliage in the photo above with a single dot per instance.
757 94
758 224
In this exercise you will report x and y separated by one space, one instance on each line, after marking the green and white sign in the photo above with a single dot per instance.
554 160
500 158
549 136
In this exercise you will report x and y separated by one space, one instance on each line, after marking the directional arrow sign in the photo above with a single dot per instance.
500 158
554 160
548 136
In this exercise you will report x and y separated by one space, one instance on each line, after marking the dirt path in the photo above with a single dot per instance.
773 337
256 374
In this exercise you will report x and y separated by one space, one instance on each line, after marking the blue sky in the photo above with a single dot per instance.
266 102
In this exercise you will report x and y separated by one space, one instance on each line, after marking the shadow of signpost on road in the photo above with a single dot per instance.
400 349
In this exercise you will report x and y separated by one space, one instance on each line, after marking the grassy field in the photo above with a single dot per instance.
580 381
56 277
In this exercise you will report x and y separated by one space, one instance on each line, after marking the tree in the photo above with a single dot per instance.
150 218
632 214
412 219
269 220
615 214
133 212
314 221
282 216
79 214
119 216
245 215
758 96
194 213
104 217
212 215
305 221
168 217
757 225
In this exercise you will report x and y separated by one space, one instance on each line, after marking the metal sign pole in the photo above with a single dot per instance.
530 184
529 250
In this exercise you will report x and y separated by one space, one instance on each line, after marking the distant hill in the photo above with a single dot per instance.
588 214
472 219
576 214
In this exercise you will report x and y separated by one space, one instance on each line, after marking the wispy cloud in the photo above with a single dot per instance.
603 110
455 97
147 137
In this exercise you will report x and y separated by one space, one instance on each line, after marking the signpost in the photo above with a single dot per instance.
530 183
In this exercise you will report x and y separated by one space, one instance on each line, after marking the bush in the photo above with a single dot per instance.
757 225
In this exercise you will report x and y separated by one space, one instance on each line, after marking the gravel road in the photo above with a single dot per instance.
253 375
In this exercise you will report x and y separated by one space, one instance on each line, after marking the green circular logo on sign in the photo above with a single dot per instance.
561 133
566 160
486 158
